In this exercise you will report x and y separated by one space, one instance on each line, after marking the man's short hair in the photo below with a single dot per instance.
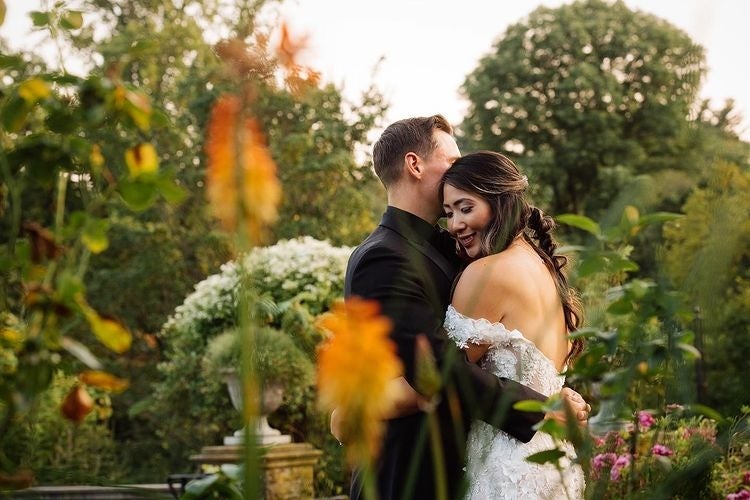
404 136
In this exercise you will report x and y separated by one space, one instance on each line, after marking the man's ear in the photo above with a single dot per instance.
414 165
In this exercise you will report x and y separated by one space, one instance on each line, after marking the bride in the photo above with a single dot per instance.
511 311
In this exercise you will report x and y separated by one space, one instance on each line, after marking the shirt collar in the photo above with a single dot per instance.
409 225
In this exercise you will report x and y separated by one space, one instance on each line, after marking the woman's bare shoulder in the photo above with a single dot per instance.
487 279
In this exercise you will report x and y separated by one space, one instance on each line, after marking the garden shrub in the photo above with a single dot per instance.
59 451
294 281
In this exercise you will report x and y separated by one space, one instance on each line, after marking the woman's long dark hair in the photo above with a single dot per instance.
498 181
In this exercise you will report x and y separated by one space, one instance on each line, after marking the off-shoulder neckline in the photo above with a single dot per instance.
515 333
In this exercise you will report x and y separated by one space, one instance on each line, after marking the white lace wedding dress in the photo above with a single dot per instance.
496 467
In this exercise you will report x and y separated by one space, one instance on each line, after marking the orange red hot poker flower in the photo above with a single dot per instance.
355 366
241 175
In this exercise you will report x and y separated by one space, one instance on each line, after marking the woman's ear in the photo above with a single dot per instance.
414 165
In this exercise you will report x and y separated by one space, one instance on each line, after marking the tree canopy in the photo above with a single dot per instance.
588 95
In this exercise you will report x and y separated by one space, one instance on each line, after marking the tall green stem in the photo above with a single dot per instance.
438 457
15 220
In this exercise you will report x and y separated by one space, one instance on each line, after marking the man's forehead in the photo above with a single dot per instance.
447 144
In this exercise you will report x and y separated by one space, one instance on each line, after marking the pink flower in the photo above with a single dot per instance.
645 419
621 462
603 460
740 495
661 450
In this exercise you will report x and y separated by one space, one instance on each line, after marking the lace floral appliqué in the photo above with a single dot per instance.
497 466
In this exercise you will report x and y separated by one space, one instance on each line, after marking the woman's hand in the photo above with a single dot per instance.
337 425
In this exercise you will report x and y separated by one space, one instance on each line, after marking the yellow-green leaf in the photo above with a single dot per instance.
33 90
141 159
2 12
95 235
96 158
138 107
103 380
71 20
109 332
112 334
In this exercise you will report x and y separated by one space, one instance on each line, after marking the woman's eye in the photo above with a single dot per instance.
466 210
449 215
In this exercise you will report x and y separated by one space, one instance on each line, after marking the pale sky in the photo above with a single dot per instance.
429 46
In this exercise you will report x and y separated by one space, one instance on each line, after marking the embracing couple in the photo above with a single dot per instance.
490 297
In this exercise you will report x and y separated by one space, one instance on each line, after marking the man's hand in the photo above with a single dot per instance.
575 403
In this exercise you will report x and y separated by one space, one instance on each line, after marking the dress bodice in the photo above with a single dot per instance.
496 463
510 355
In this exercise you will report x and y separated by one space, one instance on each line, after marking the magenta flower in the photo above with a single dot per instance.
645 419
661 450
621 462
740 495
603 460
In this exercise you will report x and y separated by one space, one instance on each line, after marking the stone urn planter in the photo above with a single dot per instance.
272 396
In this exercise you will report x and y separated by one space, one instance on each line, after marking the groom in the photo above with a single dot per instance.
408 265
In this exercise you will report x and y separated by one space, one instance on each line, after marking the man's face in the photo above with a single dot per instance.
435 166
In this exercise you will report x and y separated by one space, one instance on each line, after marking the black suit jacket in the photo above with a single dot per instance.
409 267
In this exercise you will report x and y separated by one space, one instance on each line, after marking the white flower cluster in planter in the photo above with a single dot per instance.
302 269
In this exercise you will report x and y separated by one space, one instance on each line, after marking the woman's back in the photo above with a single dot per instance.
515 288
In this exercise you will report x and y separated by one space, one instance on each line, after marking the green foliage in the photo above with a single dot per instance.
731 474
707 256
589 95
327 194
138 266
640 353
59 188
295 280
276 358
665 457
639 327
59 451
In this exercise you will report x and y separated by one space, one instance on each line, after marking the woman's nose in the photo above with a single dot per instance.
454 224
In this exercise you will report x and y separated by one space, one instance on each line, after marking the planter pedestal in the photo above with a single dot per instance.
288 469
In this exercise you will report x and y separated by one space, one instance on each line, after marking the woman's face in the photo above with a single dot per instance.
468 215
